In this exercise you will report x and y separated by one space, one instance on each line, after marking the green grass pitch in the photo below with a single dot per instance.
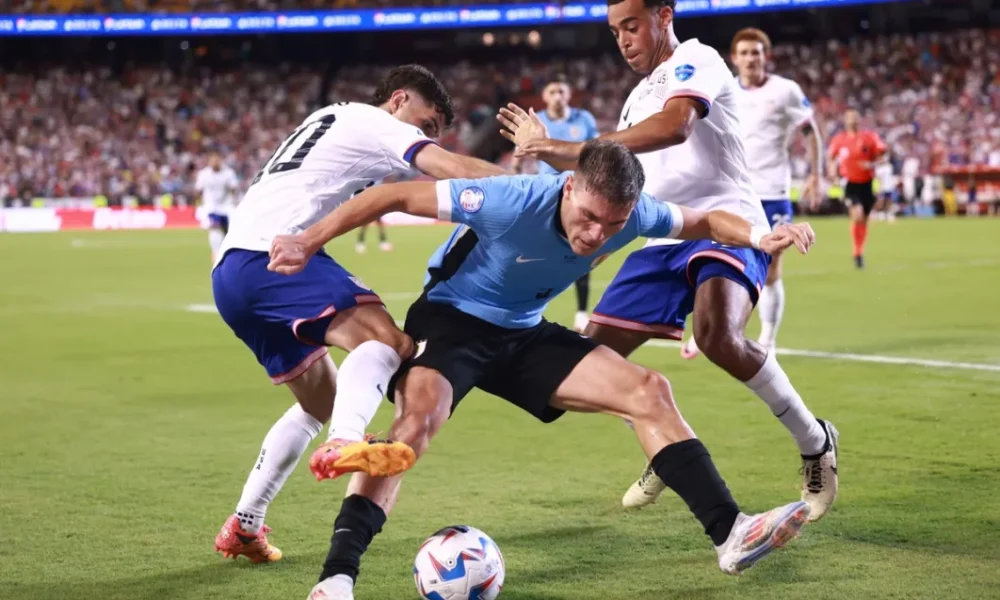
128 424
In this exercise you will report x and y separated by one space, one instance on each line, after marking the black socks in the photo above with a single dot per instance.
358 522
687 469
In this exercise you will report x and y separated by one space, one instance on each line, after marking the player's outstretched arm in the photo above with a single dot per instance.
669 127
437 162
290 253
732 230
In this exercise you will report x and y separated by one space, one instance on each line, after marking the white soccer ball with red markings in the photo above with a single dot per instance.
459 563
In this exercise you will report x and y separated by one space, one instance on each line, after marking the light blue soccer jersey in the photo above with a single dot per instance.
578 126
509 257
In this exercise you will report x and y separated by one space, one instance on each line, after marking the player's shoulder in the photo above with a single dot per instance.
694 52
583 114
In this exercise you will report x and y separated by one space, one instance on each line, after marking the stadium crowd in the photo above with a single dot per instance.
934 98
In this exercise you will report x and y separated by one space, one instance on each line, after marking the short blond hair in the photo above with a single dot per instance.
750 34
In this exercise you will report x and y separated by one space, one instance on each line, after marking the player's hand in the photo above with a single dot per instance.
521 127
289 254
800 235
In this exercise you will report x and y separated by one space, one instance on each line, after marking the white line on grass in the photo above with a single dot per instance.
842 356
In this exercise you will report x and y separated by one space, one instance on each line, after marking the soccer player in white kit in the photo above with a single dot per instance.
771 109
682 121
288 320
216 186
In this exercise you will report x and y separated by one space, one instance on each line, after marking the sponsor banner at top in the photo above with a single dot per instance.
501 15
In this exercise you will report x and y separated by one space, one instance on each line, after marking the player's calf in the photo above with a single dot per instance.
423 402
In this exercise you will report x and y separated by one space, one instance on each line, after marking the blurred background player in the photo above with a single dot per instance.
383 240
564 122
216 186
771 109
853 154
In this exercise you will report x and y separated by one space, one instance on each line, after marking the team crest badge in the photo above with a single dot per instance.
684 72
575 132
471 199
359 283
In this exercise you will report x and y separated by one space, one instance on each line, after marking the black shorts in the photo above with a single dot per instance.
523 366
860 193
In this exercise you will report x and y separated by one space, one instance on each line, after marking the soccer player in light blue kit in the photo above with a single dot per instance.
566 123
522 240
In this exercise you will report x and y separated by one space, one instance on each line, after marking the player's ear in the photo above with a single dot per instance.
666 15
396 101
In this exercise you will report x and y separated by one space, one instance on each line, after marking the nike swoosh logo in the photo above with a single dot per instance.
521 260
378 386
336 531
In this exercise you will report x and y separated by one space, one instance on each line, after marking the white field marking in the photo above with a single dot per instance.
841 356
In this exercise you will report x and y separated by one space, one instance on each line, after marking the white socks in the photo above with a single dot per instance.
773 387
283 446
361 383
770 307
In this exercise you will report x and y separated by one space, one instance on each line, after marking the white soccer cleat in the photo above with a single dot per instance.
360 248
385 246
755 536
645 491
819 475
690 349
580 321
338 587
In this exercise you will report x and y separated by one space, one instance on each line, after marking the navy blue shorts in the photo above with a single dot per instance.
654 290
218 221
778 212
283 318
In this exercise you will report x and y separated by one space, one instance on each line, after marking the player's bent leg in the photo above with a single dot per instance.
377 348
423 405
722 307
622 341
605 382
244 533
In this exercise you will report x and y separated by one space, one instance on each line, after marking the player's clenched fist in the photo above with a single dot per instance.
289 254
800 235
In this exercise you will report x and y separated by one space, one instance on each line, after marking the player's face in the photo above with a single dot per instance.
851 119
749 58
588 218
642 33
215 162
410 107
556 96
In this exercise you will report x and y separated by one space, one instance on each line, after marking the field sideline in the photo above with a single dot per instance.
128 421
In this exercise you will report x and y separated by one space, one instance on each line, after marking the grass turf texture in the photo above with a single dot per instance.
128 424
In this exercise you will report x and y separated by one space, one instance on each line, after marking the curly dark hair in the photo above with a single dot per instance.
418 79
672 4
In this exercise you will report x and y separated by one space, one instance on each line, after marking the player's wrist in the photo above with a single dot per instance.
757 233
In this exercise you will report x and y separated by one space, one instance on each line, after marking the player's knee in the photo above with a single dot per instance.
650 398
716 340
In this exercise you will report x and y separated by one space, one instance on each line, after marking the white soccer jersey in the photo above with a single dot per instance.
769 116
709 170
217 189
336 152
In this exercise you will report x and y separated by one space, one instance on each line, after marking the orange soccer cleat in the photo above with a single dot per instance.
377 458
233 542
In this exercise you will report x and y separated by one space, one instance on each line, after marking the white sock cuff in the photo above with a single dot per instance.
376 350
296 414
768 371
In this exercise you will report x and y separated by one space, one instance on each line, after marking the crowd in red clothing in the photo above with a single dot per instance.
933 98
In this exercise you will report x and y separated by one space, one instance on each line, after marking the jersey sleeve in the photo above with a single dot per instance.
199 181
798 105
877 143
657 219
400 141
489 206
699 72
232 181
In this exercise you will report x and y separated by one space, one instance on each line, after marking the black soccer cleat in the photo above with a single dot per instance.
859 262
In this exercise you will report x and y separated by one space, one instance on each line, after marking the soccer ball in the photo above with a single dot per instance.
459 563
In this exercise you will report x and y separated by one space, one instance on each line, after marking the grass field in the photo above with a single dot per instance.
128 424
